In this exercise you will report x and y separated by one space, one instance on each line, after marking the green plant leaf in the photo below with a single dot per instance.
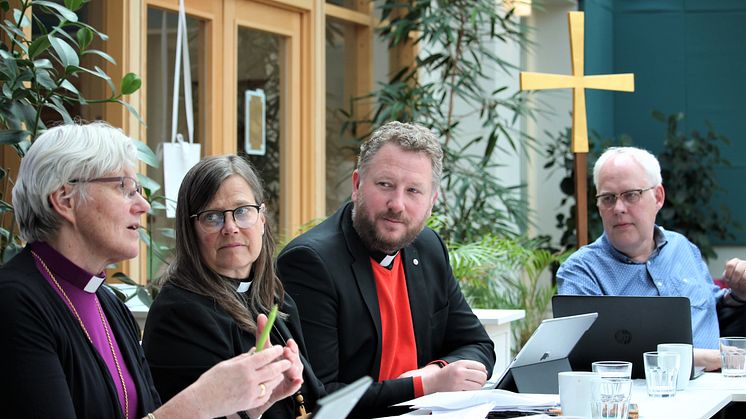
168 232
148 183
101 54
12 31
60 108
144 296
132 110
69 87
145 154
85 37
12 136
121 277
43 63
45 80
20 19
37 47
74 5
61 10
65 52
130 83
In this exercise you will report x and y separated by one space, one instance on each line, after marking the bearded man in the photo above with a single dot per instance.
374 286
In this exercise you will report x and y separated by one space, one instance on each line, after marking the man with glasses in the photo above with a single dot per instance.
634 256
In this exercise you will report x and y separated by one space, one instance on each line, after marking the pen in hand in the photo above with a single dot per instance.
267 328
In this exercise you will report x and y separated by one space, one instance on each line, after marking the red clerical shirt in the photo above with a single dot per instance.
398 346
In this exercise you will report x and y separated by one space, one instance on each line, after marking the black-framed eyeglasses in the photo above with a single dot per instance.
128 185
244 216
630 197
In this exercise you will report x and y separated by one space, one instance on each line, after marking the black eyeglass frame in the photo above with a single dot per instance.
120 179
260 208
619 195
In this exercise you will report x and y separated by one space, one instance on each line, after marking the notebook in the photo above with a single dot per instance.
626 327
535 368
339 404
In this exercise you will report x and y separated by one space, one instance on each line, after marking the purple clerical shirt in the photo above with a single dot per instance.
75 282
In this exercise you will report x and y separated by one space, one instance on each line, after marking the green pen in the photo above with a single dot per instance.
267 328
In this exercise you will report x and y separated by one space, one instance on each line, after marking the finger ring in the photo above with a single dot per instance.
263 389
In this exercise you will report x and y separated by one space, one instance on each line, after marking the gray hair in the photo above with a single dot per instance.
408 137
643 157
59 155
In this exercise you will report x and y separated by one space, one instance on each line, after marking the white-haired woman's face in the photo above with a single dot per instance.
226 248
107 222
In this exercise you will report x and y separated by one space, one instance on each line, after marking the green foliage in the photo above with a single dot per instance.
559 157
448 85
507 273
36 74
688 164
36 77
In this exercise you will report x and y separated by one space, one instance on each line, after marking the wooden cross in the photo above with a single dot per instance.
578 82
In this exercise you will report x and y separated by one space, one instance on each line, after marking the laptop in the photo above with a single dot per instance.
626 327
535 368
339 404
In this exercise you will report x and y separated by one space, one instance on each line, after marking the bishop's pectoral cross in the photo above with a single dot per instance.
578 82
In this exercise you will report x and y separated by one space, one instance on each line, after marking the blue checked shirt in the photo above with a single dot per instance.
675 268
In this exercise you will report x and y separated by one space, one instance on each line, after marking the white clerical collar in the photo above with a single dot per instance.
387 260
93 284
243 286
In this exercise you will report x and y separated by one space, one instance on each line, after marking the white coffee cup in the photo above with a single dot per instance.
686 357
575 390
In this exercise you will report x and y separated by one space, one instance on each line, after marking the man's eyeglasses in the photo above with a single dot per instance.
631 197
244 216
128 185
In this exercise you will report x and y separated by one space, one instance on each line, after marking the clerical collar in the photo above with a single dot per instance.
243 287
66 269
383 259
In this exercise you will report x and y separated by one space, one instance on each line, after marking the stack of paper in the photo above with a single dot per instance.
476 404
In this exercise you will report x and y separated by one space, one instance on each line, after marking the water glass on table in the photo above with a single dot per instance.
733 356
610 398
613 370
661 373
686 357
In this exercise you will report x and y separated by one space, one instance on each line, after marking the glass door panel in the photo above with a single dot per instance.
161 53
259 67
267 78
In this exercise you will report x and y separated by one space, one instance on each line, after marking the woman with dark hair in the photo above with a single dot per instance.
222 278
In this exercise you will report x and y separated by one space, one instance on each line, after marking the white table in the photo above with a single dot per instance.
497 324
703 398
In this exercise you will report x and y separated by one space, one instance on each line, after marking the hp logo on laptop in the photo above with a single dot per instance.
623 336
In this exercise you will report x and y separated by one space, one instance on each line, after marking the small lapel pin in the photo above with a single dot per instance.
416 262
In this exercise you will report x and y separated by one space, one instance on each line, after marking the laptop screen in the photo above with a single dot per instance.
626 327
339 404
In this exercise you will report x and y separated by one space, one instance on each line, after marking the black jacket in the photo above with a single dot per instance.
186 334
328 273
48 368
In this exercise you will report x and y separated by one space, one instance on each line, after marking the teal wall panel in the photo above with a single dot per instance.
688 56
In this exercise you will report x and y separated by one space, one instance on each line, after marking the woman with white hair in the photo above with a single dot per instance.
70 347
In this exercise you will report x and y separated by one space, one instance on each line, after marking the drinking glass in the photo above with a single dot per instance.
613 370
661 373
733 356
610 398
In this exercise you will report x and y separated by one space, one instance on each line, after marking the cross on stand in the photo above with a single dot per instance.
578 82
